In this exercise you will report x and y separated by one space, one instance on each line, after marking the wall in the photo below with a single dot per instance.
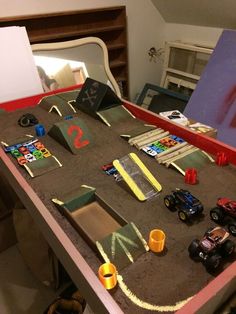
145 30
190 33
210 13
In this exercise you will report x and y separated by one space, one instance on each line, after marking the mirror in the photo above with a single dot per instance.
64 64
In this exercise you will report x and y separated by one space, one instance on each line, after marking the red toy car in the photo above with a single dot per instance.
214 246
225 208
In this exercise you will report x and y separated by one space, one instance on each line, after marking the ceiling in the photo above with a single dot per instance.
211 13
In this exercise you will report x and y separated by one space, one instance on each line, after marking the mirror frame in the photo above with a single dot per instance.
79 42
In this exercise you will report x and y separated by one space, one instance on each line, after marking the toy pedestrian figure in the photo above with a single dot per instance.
47 83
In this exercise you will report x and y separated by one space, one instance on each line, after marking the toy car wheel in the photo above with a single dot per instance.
228 247
169 201
232 228
200 209
213 262
193 249
217 214
182 215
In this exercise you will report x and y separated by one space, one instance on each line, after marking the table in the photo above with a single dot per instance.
150 278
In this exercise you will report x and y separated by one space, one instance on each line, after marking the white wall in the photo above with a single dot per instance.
210 13
145 30
191 33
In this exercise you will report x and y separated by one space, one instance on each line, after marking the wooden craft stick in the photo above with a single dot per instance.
135 139
178 154
209 156
103 119
170 150
151 140
166 158
189 151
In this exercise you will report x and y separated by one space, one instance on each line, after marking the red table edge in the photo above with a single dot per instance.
32 101
208 144
212 296
215 291
73 261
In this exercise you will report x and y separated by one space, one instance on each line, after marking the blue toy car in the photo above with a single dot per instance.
187 205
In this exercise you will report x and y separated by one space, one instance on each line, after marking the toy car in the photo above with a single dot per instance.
150 151
23 150
187 205
225 208
212 248
30 157
109 169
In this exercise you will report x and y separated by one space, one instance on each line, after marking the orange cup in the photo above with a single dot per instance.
157 240
108 275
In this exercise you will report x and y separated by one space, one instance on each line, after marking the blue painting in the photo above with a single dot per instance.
214 100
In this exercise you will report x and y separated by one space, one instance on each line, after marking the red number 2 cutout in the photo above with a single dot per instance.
77 141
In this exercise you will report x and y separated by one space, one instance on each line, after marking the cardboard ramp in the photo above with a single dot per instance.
138 178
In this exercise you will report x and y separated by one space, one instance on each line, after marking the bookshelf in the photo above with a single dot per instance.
109 24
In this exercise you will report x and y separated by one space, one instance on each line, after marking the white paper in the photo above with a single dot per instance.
175 116
19 75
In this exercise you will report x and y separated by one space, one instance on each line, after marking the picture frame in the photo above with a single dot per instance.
150 90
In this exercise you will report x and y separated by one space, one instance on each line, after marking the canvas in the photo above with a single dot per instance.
214 100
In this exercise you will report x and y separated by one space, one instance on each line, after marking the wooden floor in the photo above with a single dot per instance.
20 291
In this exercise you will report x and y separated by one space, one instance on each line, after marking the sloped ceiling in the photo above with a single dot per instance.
211 13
